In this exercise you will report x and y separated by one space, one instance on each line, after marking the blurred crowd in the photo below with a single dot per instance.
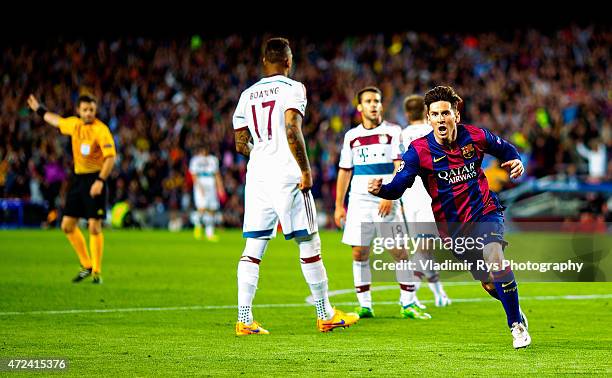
547 92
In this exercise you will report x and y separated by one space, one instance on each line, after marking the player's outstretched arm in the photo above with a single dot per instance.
297 145
51 118
243 142
504 151
395 188
390 191
515 167
404 177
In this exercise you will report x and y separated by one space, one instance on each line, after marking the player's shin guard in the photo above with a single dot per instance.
248 276
362 277
407 294
406 280
96 246
507 290
77 240
315 274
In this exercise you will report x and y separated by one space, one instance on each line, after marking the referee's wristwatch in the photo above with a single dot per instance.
101 179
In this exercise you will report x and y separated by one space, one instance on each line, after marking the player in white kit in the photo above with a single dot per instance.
268 130
207 183
416 203
372 149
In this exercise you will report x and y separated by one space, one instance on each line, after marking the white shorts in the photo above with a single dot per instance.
418 213
208 200
363 222
265 204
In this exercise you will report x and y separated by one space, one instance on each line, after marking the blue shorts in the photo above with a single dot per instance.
489 227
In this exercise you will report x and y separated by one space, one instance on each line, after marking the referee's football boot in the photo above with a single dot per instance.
97 279
83 273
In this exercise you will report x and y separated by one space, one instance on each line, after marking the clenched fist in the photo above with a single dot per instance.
374 186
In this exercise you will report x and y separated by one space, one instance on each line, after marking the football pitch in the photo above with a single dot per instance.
166 308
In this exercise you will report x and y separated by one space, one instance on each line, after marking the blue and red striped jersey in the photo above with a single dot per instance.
452 175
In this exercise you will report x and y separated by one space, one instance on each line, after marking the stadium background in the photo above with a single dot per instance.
167 306
546 91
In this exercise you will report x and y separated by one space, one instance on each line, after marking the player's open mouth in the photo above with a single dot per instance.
442 130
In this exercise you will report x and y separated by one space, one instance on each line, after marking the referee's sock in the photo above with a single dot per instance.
78 243
96 245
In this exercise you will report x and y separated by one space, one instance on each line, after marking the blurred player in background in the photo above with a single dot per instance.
370 150
93 150
207 187
416 203
268 129
449 162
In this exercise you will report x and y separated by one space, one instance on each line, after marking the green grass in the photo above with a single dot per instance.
161 270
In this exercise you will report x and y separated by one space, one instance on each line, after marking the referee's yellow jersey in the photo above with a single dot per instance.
90 143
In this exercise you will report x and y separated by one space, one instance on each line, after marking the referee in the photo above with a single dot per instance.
93 150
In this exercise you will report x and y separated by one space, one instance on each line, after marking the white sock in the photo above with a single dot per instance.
315 274
407 294
209 224
362 277
316 278
196 219
437 289
407 282
248 276
245 315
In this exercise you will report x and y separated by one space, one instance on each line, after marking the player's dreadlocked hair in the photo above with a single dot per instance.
442 93
276 50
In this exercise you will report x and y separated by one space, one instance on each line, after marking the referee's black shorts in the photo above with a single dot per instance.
79 203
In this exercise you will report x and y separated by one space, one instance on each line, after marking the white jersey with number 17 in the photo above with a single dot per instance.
262 108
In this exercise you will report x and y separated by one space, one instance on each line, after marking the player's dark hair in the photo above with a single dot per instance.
442 93
86 98
276 50
414 106
368 89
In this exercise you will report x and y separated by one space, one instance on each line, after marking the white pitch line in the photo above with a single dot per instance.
286 305
333 293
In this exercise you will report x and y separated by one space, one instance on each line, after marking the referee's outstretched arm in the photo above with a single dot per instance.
49 117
